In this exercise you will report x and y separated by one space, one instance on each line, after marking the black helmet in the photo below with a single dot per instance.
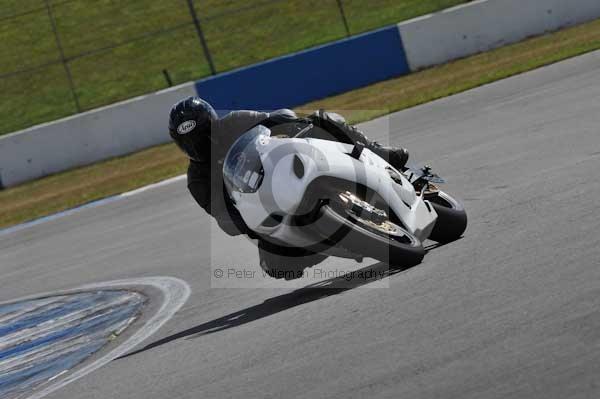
190 122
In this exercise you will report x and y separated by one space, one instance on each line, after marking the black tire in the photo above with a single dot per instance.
337 226
452 218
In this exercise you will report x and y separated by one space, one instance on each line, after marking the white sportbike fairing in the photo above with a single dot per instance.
329 197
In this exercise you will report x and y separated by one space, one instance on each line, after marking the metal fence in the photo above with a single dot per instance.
75 55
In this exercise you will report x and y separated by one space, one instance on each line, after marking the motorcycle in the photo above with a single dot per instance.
337 199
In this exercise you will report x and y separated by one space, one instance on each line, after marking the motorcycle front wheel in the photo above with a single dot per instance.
381 239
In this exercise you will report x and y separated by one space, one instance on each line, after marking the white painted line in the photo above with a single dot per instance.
175 294
94 204
153 186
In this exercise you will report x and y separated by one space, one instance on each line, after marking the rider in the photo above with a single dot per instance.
205 139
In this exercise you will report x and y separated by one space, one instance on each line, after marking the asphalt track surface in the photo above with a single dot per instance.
511 310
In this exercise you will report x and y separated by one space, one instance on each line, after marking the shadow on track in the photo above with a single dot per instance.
280 303
436 245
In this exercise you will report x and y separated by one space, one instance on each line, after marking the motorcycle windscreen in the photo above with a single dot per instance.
242 169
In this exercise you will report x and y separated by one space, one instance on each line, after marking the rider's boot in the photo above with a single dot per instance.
343 132
396 156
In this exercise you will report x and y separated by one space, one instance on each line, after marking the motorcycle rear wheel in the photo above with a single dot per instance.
452 218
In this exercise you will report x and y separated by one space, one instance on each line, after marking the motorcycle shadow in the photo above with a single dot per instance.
271 306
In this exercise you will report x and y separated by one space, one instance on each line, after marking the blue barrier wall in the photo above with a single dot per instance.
309 75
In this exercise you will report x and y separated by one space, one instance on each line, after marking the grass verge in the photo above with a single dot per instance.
119 49
76 187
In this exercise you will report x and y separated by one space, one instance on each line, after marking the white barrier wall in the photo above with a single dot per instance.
486 24
135 124
88 137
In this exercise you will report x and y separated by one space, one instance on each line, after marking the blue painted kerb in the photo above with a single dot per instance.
308 75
